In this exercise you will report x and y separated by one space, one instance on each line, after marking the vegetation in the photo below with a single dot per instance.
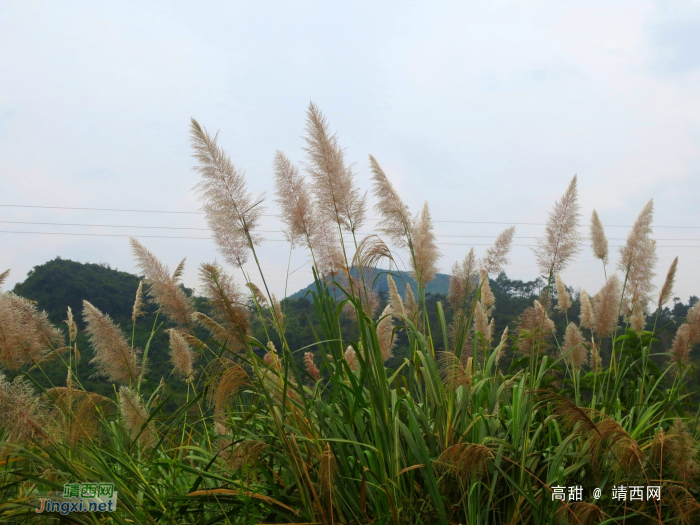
470 425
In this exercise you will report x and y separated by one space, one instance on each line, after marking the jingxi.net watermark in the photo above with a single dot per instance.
80 497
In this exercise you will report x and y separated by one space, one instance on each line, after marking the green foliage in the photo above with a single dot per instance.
425 438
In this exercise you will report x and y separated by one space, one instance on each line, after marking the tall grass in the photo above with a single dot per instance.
472 427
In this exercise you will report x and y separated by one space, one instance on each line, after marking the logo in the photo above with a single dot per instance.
80 497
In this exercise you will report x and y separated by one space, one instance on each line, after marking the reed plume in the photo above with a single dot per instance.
463 280
228 378
605 437
501 348
369 300
385 333
606 306
114 358
231 212
72 327
612 439
453 373
328 253
326 469
586 317
134 418
638 258
563 297
581 513
137 310
561 240
680 349
394 297
481 323
397 223
534 326
22 412
294 200
693 321
75 414
542 314
496 256
594 359
26 334
487 298
684 508
217 332
258 296
278 318
425 251
272 358
245 453
181 355
667 288
351 358
3 276
227 302
411 305
573 419
574 350
311 367
659 444
337 197
163 288
637 318
465 460
371 251
598 240
683 452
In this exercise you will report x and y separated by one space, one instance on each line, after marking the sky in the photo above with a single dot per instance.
485 110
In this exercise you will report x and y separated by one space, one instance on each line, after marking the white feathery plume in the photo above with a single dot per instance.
638 258
563 297
294 200
337 197
396 223
561 236
394 297
425 250
231 212
598 240
496 256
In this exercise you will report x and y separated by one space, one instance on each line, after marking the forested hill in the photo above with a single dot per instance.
60 283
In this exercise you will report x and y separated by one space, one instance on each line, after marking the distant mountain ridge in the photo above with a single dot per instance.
439 285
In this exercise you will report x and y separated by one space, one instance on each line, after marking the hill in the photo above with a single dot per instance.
60 283
438 286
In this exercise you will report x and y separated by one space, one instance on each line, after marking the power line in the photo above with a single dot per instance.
106 225
267 240
272 215
87 225
544 224
123 235
99 209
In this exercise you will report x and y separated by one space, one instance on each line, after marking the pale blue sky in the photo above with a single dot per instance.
485 109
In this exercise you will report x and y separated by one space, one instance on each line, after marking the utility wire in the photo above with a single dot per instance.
274 231
272 215
267 240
